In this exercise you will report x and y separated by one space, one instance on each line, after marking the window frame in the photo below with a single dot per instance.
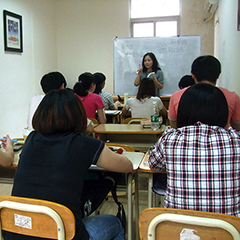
154 20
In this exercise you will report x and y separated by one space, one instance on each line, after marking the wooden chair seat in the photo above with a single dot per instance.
35 217
168 224
94 121
132 120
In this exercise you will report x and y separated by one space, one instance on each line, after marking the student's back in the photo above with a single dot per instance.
201 158
56 158
142 105
107 98
92 102
206 69
49 82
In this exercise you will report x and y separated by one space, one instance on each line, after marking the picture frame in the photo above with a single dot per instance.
12 31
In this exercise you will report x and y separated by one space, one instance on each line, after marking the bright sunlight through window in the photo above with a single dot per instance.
154 8
151 18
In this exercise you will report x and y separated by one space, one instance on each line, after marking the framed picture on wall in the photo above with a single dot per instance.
238 17
12 32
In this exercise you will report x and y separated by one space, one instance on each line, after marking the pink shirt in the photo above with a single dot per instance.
92 102
232 98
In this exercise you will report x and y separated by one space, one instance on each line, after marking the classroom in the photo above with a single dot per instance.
76 36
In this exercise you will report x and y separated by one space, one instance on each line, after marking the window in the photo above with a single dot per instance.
151 18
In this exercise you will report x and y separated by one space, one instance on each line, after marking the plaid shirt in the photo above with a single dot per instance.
203 168
107 99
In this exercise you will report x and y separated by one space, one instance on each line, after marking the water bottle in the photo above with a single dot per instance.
155 118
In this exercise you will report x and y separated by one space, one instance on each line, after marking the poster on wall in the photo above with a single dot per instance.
12 31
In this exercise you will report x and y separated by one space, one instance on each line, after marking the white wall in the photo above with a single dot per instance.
70 36
192 23
227 45
85 33
21 72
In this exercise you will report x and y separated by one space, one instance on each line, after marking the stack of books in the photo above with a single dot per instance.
146 123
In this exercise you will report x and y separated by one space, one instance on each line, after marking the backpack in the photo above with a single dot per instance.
95 190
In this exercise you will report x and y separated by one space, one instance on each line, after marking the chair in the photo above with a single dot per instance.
132 120
167 223
94 121
35 217
159 187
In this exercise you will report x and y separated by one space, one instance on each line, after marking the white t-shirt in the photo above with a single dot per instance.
143 108
32 108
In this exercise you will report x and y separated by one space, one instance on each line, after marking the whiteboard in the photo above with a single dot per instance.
174 54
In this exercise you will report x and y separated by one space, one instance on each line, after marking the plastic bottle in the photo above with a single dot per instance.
155 118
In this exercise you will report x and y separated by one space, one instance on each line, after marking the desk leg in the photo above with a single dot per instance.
129 206
114 119
150 194
136 204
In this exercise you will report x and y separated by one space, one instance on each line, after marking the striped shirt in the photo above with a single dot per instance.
203 168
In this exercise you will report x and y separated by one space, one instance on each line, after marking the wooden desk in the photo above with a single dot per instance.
7 173
130 134
144 167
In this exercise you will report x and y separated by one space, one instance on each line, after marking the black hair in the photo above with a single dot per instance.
99 78
60 111
205 103
146 89
186 81
206 68
84 83
155 66
52 81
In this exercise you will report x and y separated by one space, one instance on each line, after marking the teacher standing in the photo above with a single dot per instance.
150 65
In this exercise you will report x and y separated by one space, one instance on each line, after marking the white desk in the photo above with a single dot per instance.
144 167
115 114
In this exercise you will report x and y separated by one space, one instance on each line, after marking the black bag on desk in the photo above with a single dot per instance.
95 191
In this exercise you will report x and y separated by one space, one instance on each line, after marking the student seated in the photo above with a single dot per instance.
201 158
55 160
206 69
186 81
92 102
50 81
107 98
6 157
142 105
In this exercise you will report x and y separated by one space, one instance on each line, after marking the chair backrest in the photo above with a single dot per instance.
127 148
94 121
35 217
132 120
167 223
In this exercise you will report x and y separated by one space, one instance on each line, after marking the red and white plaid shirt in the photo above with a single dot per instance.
203 168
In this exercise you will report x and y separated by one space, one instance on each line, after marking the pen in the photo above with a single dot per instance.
14 140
